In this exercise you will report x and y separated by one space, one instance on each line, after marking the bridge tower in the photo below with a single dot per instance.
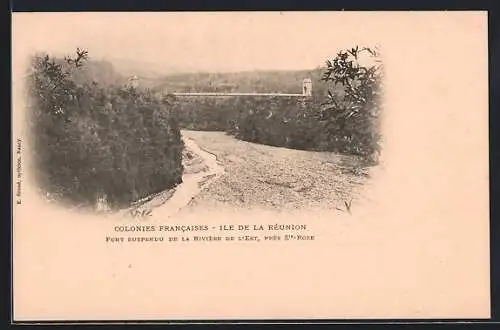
307 87
133 81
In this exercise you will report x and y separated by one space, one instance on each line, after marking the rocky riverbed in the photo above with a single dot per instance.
277 178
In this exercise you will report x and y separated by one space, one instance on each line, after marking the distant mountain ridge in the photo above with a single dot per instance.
149 73
171 78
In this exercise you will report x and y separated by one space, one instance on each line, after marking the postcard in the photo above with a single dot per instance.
250 165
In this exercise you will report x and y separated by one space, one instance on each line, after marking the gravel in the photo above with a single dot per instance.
277 178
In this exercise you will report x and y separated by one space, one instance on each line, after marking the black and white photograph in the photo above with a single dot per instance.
179 132
284 164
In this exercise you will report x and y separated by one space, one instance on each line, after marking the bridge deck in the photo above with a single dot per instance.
238 94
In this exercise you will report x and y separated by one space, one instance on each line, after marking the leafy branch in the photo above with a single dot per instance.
82 55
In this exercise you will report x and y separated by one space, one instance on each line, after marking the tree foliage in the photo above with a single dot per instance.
92 139
354 117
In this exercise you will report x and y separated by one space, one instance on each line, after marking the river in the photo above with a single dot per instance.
169 202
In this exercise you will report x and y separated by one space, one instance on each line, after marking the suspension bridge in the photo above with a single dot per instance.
306 91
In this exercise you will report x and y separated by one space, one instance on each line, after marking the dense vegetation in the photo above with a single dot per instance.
355 115
204 113
96 137
342 116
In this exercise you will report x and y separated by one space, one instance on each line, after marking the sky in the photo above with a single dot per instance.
210 41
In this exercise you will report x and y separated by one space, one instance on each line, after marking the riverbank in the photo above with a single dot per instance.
221 172
201 168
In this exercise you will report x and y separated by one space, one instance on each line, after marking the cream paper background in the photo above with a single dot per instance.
418 246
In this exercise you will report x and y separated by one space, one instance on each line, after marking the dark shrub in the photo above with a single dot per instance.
94 139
